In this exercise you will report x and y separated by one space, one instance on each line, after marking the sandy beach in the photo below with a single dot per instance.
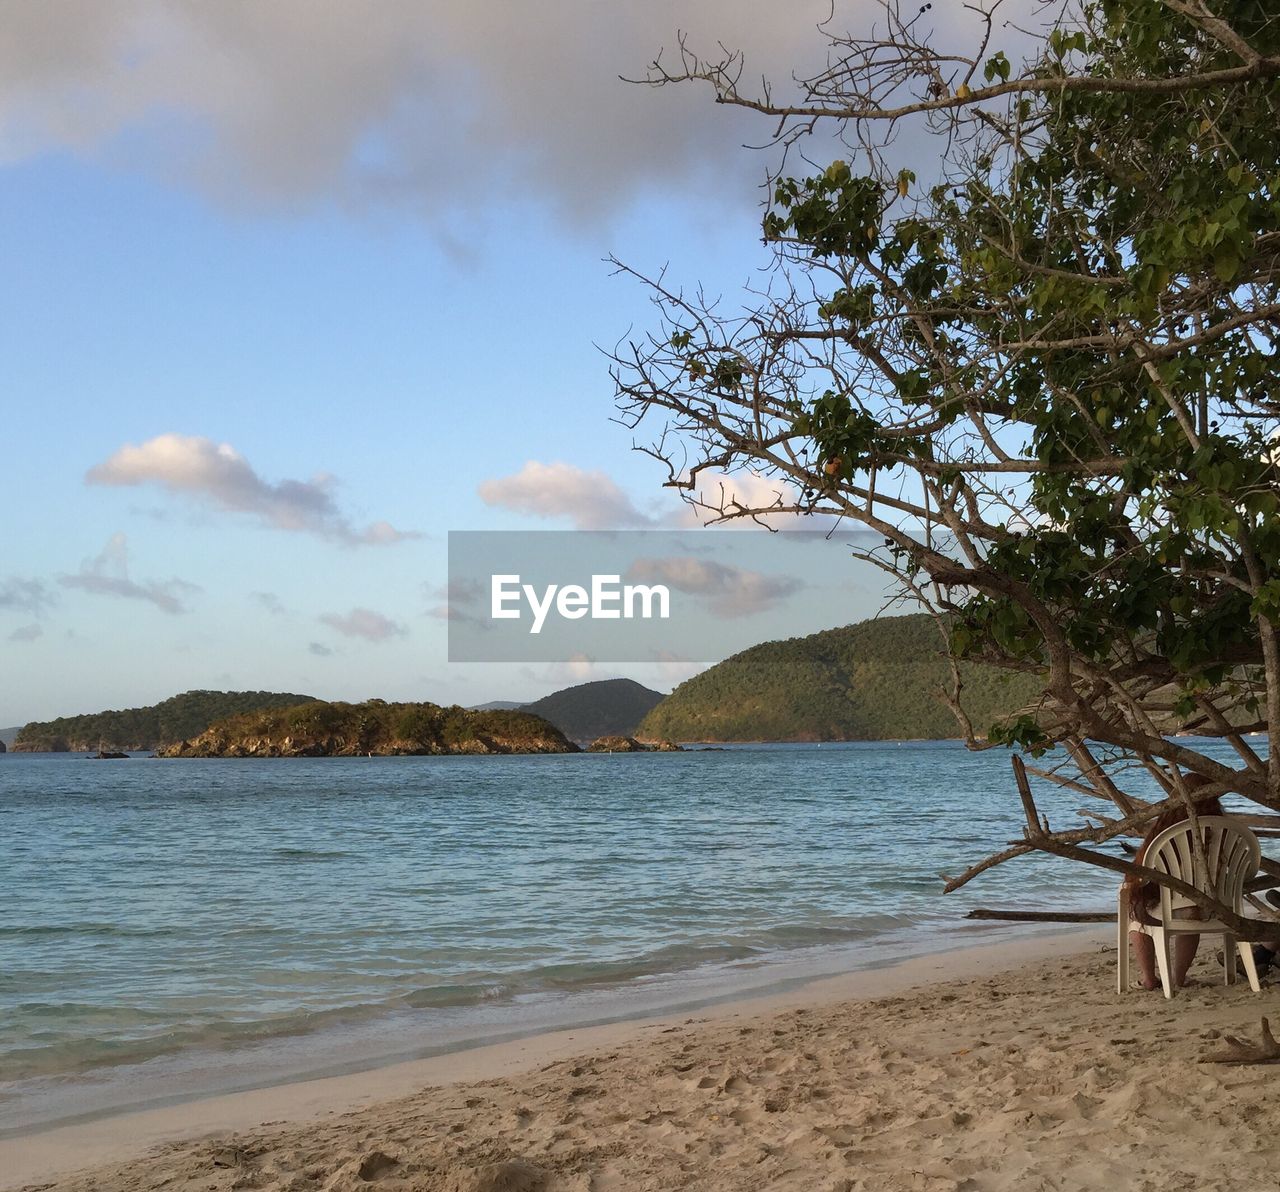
1009 1066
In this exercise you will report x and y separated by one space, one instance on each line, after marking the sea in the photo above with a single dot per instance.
175 928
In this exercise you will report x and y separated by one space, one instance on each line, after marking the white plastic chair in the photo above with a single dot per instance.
1231 853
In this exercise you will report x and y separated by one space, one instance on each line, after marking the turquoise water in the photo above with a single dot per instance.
168 927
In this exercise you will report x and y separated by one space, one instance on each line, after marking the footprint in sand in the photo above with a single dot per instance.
377 1165
513 1176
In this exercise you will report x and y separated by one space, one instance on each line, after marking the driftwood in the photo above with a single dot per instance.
982 912
1241 1051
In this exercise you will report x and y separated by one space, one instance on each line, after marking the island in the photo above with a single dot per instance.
617 744
151 727
373 728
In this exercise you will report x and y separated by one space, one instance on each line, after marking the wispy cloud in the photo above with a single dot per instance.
364 623
26 633
453 600
319 649
730 591
270 602
577 668
108 575
31 596
216 474
590 500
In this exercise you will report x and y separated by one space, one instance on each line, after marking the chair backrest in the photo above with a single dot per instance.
1231 853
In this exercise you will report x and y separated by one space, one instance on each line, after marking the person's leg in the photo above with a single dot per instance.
1184 947
1144 954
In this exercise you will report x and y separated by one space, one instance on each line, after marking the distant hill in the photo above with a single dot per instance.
171 720
376 727
8 735
497 705
606 708
877 680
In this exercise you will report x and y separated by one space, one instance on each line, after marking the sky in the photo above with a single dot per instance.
294 288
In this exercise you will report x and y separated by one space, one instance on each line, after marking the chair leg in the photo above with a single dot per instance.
1160 939
1229 947
1250 966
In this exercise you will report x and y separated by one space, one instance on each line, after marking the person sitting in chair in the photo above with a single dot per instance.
1144 896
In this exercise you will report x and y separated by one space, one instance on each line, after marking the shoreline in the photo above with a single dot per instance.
58 1150
367 1038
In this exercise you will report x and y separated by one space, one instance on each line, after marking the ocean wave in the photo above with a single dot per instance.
570 976
37 930
801 935
79 1054
442 996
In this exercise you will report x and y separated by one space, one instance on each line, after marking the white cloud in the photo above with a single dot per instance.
590 500
748 490
751 490
108 575
217 474
364 623
730 591
31 596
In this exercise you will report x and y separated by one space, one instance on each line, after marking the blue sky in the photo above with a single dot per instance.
273 280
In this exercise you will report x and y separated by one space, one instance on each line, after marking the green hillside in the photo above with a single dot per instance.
173 719
375 727
606 708
871 681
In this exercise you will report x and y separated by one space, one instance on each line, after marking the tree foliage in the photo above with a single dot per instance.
170 720
1045 376
877 680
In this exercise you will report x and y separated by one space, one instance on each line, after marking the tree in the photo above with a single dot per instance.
1046 378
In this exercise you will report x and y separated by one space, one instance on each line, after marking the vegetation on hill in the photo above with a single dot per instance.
875 680
320 729
606 708
171 720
